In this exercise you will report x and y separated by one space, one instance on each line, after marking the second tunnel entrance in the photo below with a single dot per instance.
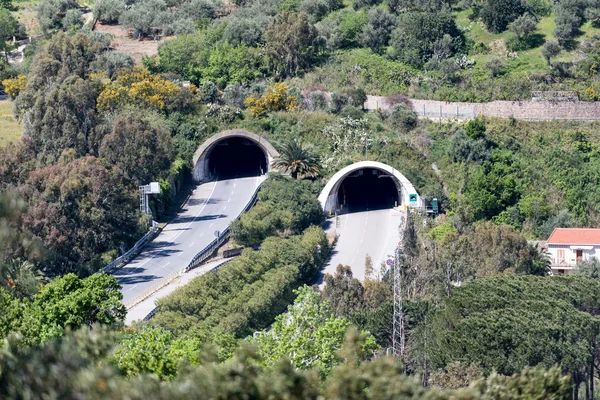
368 189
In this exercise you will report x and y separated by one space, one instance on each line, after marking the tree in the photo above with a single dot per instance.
8 29
456 375
293 44
227 64
494 65
78 210
143 152
403 117
377 33
243 31
550 49
497 14
65 117
52 12
344 293
275 98
67 302
511 322
590 267
138 87
108 11
569 16
6 4
297 160
154 350
59 101
72 20
413 41
309 335
69 368
21 277
112 61
142 16
523 26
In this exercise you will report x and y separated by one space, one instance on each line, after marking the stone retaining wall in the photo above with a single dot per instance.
527 110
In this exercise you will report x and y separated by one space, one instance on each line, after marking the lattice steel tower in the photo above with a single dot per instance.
399 337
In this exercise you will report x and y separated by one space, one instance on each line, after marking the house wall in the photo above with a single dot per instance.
570 258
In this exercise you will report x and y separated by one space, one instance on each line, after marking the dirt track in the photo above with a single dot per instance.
123 42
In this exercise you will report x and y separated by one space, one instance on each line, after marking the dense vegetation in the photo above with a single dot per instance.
479 307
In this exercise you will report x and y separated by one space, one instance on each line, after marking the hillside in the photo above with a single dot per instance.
251 115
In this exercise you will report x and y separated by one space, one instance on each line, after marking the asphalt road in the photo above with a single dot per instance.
374 233
211 207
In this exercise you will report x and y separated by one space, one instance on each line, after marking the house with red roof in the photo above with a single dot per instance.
568 246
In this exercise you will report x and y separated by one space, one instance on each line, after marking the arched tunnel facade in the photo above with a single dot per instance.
233 154
368 185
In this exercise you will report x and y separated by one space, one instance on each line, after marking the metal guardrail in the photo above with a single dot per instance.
125 258
208 250
198 259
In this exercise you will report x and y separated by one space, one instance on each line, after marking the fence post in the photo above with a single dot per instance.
423 109
457 111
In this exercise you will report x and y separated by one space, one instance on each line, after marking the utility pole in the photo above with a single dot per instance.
398 338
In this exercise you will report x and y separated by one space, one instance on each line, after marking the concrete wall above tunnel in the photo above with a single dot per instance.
328 196
202 155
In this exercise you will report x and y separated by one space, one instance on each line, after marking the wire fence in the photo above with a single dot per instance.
446 110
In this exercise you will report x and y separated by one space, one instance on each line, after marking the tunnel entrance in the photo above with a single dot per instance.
236 157
368 189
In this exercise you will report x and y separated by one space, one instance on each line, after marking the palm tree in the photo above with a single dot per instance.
297 160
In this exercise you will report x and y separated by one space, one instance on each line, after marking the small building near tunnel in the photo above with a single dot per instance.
231 152
399 191
569 246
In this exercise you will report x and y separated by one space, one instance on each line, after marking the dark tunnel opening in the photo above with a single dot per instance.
236 157
368 189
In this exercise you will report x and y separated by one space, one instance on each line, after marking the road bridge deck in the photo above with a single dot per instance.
211 207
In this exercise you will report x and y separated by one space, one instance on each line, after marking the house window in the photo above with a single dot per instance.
561 271
560 254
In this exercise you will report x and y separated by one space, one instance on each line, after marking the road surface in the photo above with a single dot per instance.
211 207
374 233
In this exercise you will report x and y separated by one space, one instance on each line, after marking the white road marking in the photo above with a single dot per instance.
131 288
176 236
202 234
165 265
201 209
224 208
191 244
362 238
210 226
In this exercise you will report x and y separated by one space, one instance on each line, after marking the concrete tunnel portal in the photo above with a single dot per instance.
233 154
368 185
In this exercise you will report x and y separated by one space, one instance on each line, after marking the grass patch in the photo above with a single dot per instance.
10 130
529 60
26 13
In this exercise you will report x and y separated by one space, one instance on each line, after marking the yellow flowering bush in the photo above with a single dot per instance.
13 87
141 88
274 99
